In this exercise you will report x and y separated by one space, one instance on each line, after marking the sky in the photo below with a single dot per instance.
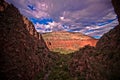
90 17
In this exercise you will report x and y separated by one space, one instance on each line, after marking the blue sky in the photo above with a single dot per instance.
90 17
44 21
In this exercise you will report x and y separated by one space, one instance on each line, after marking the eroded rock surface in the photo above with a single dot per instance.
22 49
66 41
102 62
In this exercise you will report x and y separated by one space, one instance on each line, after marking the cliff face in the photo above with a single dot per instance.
103 61
111 40
109 45
23 51
116 4
66 41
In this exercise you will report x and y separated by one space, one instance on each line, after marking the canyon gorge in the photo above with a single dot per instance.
25 54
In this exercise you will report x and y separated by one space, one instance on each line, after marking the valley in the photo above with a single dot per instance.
26 54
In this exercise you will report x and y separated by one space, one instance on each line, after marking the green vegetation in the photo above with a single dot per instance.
59 71
63 51
86 64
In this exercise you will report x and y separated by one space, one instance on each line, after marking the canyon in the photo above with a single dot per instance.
25 54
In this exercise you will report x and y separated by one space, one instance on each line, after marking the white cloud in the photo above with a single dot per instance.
110 15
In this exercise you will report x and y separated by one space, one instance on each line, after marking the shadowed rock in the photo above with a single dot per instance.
116 4
102 62
23 51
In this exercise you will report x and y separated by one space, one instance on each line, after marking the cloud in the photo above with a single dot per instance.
71 15
97 31
51 26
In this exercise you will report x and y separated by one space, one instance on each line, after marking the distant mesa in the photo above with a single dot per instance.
67 42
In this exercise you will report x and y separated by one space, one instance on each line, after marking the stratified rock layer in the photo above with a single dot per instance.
67 41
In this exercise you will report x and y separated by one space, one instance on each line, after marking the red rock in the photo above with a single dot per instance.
67 41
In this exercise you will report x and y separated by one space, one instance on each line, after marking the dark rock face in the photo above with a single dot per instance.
110 41
109 45
22 49
83 64
102 62
116 4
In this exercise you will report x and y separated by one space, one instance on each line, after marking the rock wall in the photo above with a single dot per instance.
22 49
67 41
103 61
111 40
116 4
69 44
